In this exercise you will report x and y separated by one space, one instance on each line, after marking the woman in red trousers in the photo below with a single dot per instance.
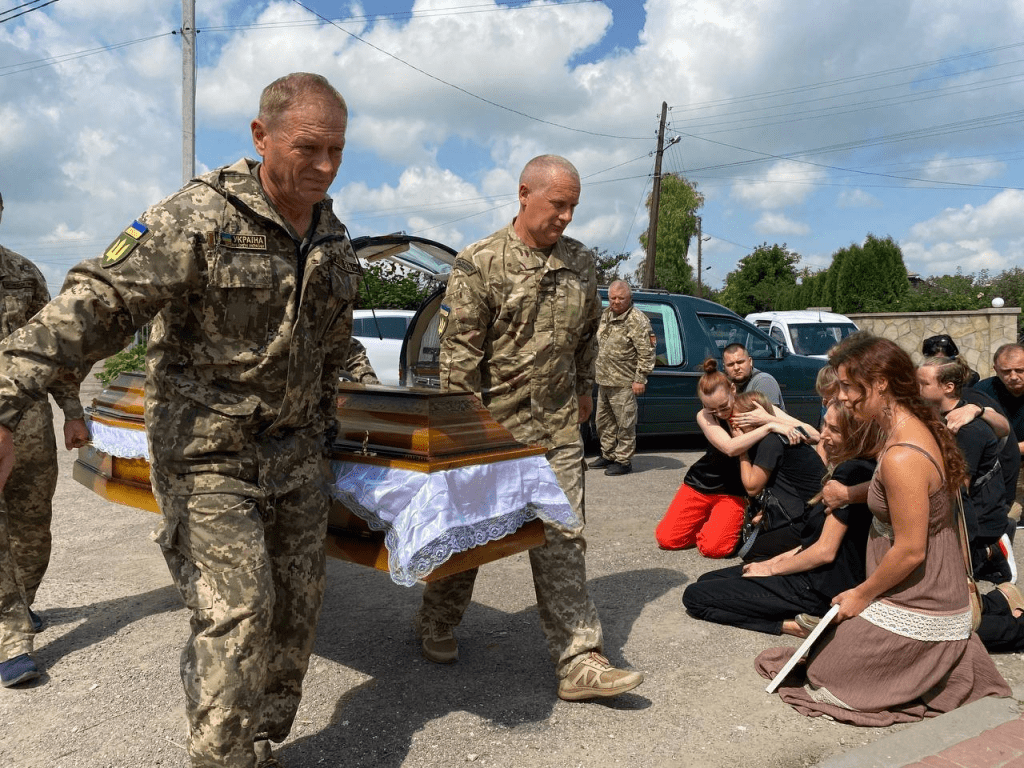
707 511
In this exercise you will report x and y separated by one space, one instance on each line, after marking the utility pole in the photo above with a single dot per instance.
652 228
700 290
188 89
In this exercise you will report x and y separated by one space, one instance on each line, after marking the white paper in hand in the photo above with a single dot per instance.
803 649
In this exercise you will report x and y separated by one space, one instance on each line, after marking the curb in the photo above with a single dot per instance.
931 736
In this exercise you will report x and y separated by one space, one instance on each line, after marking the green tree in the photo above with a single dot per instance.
871 277
132 358
889 274
756 284
607 265
677 224
385 286
1009 286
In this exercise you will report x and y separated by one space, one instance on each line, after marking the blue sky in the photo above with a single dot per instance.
805 123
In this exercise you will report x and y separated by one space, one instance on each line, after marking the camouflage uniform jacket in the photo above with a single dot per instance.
624 351
519 330
24 293
242 365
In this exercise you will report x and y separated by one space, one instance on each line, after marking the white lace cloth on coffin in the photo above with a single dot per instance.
428 517
118 441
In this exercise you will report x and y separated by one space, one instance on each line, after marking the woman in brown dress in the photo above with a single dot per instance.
902 648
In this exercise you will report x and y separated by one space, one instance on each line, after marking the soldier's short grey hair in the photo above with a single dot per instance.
621 284
542 167
278 97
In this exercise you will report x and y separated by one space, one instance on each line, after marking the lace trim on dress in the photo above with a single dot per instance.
823 695
919 626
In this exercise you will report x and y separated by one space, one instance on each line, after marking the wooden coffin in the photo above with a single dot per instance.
421 430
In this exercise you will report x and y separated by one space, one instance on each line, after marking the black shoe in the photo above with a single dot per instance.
20 669
600 462
615 468
37 621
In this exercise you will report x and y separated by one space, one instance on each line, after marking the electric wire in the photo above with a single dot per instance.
464 91
36 5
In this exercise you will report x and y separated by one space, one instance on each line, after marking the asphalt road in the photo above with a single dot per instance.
111 696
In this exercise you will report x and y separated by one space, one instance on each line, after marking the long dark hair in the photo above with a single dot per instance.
870 358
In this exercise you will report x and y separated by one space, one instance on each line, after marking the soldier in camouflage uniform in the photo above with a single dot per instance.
249 280
25 508
625 344
518 328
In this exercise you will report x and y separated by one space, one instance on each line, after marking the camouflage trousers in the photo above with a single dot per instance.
567 614
25 514
251 570
616 422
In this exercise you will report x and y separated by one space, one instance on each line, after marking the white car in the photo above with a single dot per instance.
809 332
381 331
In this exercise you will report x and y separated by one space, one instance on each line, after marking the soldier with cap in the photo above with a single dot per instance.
26 509
625 355
518 330
249 280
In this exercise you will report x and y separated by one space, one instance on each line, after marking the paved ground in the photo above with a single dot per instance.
111 696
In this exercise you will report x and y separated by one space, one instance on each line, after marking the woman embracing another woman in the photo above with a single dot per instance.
707 511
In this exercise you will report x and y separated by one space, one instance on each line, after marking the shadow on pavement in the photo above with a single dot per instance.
503 676
101 620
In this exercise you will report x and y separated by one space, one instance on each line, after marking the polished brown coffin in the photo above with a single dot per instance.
414 429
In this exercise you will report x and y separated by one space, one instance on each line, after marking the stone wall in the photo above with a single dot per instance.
978 333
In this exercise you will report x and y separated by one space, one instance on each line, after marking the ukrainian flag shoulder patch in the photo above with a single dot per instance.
125 243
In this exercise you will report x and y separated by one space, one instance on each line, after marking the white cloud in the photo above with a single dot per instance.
989 236
784 184
1001 216
777 224
857 198
947 257
89 143
972 170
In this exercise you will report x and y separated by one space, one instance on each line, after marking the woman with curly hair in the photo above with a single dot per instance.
902 648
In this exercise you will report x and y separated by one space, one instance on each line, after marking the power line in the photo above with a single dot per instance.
36 5
852 78
929 132
27 66
839 110
460 10
460 89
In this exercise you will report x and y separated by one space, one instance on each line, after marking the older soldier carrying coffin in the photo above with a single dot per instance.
518 329
249 280
625 355
26 509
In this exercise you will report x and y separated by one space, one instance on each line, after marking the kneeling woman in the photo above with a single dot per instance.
902 648
766 596
707 510
780 478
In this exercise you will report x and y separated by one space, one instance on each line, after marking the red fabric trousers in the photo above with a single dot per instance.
710 521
